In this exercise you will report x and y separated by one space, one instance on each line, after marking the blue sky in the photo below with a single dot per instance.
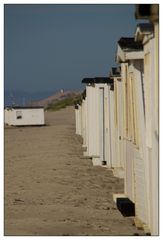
49 47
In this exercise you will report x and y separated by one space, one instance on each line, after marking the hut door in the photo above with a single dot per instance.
102 136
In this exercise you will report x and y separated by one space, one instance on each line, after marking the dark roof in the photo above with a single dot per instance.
24 107
147 11
115 72
145 27
97 80
127 43
143 10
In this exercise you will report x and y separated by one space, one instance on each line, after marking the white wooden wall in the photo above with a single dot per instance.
113 136
92 122
98 131
29 116
107 126
119 121
151 132
84 122
77 121
140 151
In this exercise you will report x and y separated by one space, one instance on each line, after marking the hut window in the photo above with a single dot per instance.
18 114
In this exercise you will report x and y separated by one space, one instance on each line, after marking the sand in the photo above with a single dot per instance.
52 190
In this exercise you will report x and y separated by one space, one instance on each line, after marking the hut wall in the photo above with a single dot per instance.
26 116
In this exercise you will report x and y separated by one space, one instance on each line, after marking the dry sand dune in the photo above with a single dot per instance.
50 189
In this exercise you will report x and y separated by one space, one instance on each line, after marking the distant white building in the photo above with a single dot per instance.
24 116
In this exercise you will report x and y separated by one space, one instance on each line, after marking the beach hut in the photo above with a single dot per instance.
91 117
97 120
77 118
83 112
149 39
80 118
116 121
130 55
24 116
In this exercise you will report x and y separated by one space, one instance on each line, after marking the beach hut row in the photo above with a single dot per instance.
118 120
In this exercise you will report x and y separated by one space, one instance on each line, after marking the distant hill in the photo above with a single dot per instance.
44 98
58 100
23 98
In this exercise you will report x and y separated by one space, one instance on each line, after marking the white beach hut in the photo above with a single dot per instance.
148 36
116 121
91 113
24 116
130 56
83 116
98 124
77 119
141 145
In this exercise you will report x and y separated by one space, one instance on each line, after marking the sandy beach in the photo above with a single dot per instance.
52 190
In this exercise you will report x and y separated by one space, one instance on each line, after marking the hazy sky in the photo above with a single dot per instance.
49 47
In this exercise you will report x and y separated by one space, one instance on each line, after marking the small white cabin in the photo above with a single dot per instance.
78 118
116 118
97 119
24 116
